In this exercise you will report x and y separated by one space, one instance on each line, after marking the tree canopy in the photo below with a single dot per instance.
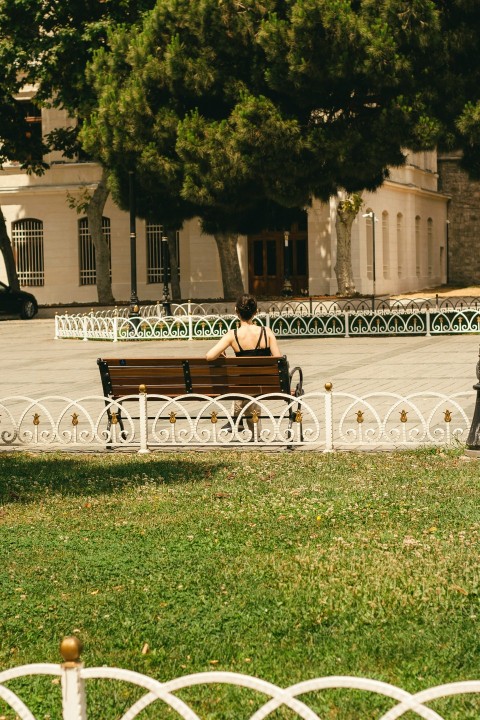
227 109
48 45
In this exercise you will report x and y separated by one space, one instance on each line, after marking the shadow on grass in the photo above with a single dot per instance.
26 478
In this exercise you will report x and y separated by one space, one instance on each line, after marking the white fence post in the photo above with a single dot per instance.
190 326
115 327
85 329
328 418
427 322
347 324
73 689
143 419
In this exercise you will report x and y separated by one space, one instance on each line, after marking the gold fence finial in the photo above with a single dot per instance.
71 649
142 389
328 386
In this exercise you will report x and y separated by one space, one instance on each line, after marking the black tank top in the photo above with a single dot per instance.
257 351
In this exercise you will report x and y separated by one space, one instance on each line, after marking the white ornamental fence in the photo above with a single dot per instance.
308 306
73 677
324 421
383 322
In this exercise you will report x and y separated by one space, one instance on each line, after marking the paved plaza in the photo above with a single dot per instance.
35 364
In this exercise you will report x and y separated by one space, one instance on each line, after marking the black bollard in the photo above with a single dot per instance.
473 440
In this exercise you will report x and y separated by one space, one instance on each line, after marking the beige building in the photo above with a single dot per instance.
405 248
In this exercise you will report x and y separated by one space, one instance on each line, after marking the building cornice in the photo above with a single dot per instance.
46 189
411 188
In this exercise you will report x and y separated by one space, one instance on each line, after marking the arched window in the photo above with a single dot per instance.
385 245
27 242
86 251
400 246
430 246
153 234
418 247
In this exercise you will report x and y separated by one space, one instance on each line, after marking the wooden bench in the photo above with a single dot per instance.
176 377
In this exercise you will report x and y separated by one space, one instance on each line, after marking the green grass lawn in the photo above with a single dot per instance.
285 566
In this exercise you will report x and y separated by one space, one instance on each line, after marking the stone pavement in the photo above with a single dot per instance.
35 364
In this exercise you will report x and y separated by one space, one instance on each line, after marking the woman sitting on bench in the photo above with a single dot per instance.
249 340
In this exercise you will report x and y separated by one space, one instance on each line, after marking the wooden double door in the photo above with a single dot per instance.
269 259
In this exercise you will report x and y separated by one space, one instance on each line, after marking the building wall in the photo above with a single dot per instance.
46 198
464 220
411 192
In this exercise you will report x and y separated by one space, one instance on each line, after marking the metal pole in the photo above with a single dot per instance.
374 260
133 247
287 285
371 215
473 440
167 309
447 259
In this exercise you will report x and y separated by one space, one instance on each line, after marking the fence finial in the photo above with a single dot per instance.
71 649
328 386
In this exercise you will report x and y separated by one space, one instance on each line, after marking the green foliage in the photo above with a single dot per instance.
468 125
351 204
225 106
284 566
49 45
229 106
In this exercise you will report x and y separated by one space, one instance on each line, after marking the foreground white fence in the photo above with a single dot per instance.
323 421
73 676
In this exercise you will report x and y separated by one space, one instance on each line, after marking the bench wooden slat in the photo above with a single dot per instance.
173 391
260 361
135 362
193 362
233 372
251 391
127 388
146 372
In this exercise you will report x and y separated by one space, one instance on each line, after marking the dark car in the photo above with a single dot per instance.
17 302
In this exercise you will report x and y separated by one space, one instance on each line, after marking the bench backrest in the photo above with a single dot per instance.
178 376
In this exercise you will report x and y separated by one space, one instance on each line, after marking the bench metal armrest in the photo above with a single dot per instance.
299 386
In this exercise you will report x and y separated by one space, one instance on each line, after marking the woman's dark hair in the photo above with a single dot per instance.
246 306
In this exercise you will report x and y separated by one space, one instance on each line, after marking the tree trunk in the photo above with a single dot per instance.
94 212
174 275
230 266
346 213
7 252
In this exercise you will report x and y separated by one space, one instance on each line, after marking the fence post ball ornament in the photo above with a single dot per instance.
71 649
